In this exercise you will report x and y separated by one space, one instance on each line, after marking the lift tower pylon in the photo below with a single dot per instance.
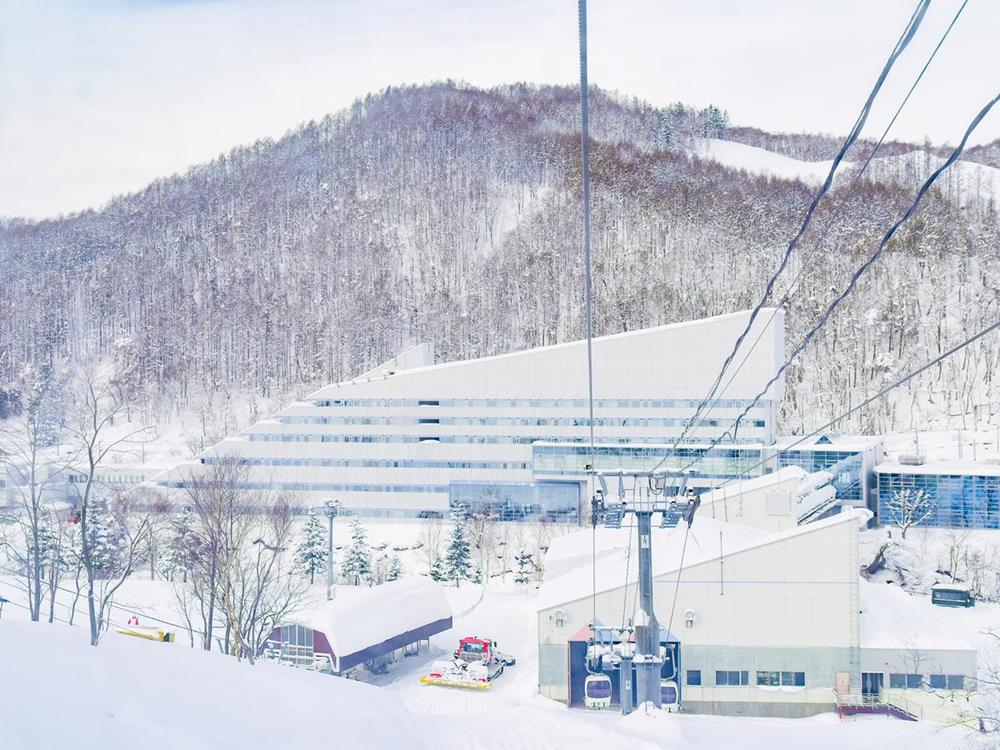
648 497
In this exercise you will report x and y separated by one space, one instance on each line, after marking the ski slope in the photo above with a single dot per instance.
964 182
762 162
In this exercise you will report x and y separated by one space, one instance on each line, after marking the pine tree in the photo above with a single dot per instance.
457 559
184 545
395 569
310 555
437 572
356 566
523 560
106 542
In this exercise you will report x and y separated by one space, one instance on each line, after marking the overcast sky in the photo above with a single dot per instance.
101 96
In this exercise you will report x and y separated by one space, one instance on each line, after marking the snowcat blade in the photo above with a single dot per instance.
454 682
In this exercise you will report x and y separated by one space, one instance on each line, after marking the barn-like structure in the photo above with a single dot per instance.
363 626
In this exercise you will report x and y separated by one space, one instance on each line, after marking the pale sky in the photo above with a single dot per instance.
99 97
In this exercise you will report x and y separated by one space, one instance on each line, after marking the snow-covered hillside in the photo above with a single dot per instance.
129 694
60 693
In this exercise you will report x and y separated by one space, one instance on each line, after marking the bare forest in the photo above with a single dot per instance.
450 214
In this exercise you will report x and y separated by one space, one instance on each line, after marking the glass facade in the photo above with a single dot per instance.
847 467
717 463
516 501
374 463
957 500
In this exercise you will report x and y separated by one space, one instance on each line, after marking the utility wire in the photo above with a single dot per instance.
786 297
901 44
588 285
111 605
833 422
855 277
896 384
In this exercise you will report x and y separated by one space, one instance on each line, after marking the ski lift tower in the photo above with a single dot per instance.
644 494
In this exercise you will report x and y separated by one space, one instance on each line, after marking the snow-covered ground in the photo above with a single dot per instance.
129 693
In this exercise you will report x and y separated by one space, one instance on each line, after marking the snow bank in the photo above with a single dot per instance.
893 619
129 694
360 617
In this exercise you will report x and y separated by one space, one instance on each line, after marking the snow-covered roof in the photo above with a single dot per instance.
943 468
827 442
569 574
360 617
638 333
893 619
735 489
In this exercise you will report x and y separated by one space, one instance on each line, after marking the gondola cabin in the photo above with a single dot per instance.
597 691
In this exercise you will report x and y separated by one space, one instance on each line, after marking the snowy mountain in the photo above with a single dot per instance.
450 214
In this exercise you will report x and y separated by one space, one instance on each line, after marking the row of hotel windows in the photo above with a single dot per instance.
327 487
514 421
742 678
312 437
371 463
537 403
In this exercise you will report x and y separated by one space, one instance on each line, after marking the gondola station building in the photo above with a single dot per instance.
771 616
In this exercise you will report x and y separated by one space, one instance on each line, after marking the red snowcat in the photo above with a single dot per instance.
476 663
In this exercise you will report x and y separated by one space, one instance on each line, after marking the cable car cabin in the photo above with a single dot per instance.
594 666
597 691
670 696
952 595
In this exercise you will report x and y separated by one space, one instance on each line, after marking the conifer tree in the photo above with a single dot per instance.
310 555
523 560
437 571
106 542
356 566
457 558
395 569
183 547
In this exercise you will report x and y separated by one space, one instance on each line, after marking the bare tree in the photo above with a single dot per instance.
258 586
33 467
97 406
908 508
224 520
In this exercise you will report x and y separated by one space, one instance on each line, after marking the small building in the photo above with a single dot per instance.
363 627
766 622
962 494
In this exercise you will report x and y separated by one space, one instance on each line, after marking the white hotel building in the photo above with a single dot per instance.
511 431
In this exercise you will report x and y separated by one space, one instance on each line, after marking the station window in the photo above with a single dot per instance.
731 678
781 679
899 681
694 677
